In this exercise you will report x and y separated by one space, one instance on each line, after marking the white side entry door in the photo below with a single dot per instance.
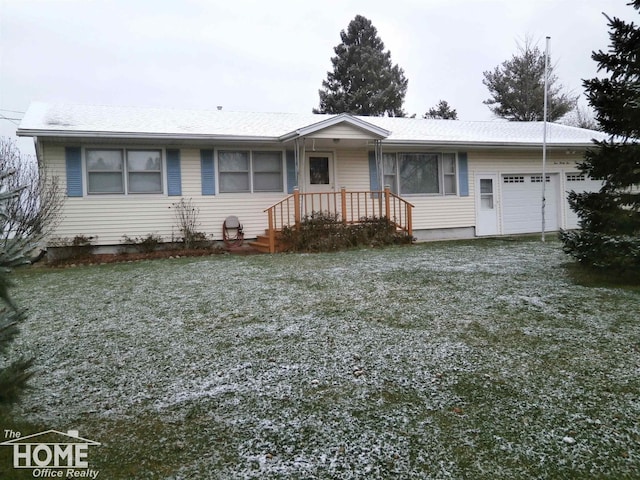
486 204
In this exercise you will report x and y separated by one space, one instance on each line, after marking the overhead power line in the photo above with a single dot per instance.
12 120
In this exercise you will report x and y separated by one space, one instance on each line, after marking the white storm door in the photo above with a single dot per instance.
486 205
319 172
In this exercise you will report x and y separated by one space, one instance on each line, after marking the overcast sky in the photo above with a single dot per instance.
272 55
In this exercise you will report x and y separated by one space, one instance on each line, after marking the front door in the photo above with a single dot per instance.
319 172
486 205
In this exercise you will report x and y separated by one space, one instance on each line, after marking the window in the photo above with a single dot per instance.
234 171
575 177
267 172
144 169
538 179
449 173
250 171
319 170
486 194
421 173
389 168
513 179
106 171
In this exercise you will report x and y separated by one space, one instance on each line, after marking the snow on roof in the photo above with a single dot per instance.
68 120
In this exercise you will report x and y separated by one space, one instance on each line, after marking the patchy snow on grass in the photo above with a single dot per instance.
446 360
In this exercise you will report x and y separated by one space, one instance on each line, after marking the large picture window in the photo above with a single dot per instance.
420 173
250 171
123 171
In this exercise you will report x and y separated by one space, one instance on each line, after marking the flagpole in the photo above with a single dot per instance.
544 135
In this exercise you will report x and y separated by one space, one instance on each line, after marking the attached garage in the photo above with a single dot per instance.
522 203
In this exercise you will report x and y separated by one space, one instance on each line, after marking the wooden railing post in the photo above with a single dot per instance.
387 207
409 220
272 233
296 206
343 199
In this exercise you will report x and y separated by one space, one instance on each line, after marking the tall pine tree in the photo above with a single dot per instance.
609 235
14 373
517 88
363 81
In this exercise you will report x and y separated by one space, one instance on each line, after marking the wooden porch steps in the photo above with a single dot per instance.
261 243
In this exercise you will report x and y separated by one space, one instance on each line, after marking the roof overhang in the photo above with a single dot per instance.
376 132
93 135
481 145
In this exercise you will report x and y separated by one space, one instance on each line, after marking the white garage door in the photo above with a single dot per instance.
522 203
578 182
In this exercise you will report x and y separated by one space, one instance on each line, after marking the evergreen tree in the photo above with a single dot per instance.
517 88
610 219
363 81
442 111
14 374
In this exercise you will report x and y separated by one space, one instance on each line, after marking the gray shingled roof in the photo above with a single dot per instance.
65 120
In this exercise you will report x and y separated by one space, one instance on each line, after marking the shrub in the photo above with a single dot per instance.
77 247
146 244
187 219
325 232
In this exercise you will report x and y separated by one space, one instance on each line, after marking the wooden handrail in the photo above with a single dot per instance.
351 206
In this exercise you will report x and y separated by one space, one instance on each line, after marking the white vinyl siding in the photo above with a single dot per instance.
343 132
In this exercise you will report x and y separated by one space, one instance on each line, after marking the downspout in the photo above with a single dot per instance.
379 164
302 163
36 147
297 162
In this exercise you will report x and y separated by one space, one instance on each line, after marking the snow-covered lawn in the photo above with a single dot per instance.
478 359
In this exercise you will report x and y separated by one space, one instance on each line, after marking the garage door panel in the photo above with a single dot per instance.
521 203
579 183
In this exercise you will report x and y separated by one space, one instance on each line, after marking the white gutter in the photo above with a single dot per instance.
139 135
472 144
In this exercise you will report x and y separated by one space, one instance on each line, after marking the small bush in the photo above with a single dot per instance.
78 247
146 244
187 220
325 232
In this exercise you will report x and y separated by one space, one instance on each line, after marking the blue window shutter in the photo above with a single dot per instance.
292 181
207 172
73 160
174 175
374 183
463 174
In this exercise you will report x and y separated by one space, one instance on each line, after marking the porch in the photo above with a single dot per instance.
351 207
